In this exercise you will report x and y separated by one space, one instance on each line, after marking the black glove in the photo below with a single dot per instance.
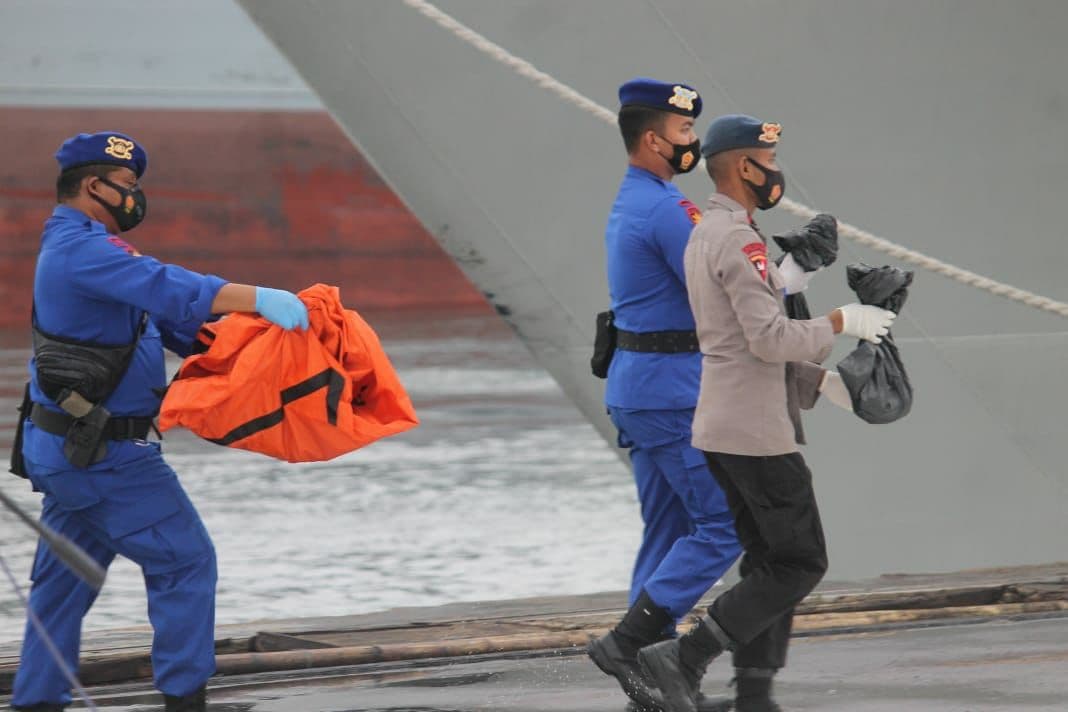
813 246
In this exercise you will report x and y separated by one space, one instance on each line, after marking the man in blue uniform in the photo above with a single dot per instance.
654 379
103 314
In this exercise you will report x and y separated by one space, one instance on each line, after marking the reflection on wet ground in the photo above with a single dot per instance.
1006 665
1002 666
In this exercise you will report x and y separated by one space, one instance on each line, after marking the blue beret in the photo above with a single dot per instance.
109 147
676 98
739 131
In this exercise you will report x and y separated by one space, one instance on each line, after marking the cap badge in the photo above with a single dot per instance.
120 148
683 98
771 133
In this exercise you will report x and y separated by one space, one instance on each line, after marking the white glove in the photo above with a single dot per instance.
795 278
834 388
866 322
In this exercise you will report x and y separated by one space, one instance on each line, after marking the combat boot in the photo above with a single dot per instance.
677 666
713 704
753 690
704 704
616 652
196 702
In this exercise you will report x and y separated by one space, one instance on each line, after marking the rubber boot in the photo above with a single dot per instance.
677 666
196 702
753 690
616 652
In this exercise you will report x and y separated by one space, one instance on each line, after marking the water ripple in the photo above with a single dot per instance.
503 491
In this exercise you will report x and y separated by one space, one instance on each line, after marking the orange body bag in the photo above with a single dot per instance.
297 396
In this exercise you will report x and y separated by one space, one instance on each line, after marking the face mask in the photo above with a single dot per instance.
769 194
684 156
132 205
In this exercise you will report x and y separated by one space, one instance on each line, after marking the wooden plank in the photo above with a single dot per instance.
269 642
110 656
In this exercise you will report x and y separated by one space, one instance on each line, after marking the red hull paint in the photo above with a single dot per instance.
275 198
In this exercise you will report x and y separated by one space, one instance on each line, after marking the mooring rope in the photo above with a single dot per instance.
859 236
47 640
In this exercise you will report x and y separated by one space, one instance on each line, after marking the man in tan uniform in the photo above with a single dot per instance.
757 373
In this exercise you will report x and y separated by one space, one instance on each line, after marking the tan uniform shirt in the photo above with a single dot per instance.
755 374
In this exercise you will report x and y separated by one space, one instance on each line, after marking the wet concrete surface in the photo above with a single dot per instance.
995 665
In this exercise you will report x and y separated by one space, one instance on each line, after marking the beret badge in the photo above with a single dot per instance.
120 148
770 132
683 98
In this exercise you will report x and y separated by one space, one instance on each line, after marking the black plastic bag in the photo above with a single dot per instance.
813 246
873 373
797 306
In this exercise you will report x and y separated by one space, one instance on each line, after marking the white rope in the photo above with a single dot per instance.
46 639
521 66
867 239
851 232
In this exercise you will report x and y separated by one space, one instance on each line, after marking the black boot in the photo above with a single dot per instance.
713 704
677 666
754 690
196 702
616 653
704 704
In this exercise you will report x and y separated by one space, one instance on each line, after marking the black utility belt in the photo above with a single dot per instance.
660 342
132 428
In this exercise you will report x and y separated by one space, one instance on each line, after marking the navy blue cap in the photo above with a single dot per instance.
108 147
739 131
676 98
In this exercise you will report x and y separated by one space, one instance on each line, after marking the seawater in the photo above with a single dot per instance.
503 491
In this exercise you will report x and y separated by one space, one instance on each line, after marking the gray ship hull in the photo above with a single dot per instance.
939 126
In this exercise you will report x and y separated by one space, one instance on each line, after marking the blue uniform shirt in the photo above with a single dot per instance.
647 232
92 286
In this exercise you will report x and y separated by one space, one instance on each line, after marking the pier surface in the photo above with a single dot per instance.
990 640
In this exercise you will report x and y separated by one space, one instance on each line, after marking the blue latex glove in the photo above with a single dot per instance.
281 307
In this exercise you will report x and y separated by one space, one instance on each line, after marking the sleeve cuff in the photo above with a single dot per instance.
209 289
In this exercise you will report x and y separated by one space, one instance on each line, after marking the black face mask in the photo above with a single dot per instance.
684 156
132 205
769 194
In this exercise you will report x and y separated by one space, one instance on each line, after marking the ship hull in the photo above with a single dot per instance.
280 198
930 124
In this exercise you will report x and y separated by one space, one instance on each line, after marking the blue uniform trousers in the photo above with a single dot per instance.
137 509
689 541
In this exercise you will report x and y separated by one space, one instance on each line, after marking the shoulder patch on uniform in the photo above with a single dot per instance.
692 211
757 252
124 246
